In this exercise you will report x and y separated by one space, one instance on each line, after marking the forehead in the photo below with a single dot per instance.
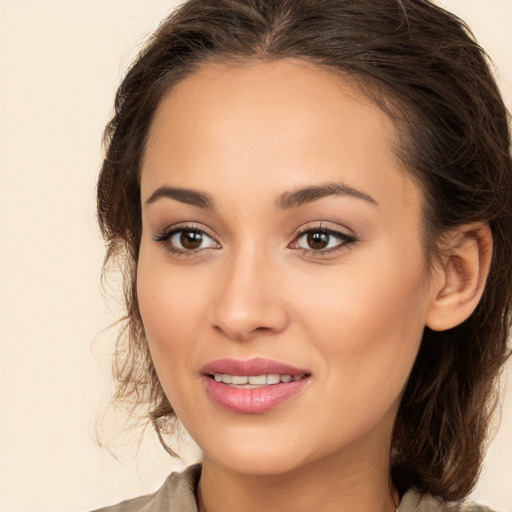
286 120
259 96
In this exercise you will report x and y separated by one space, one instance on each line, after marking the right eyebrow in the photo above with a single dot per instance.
313 193
183 195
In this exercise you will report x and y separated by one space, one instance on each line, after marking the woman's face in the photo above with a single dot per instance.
281 241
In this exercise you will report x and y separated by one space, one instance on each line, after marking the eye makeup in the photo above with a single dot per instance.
189 240
321 240
186 240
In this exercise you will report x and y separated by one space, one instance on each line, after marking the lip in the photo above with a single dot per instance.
257 400
256 366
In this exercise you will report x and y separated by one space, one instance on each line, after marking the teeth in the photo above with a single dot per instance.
255 380
273 379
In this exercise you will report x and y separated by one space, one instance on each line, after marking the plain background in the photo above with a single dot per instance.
61 61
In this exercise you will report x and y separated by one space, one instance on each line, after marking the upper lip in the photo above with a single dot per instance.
256 366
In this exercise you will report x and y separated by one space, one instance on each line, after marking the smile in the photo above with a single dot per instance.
254 381
254 386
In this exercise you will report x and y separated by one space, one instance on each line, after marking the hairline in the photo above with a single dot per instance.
361 86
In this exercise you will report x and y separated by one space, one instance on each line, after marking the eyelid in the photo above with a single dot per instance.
164 237
346 239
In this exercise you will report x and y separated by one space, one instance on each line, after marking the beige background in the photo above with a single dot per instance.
60 63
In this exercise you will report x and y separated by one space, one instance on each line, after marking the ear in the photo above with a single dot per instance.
460 276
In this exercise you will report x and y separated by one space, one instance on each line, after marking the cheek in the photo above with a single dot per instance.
370 319
170 305
170 308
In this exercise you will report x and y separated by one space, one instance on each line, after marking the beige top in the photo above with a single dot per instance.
177 494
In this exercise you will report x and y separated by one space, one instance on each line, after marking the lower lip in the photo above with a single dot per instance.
252 401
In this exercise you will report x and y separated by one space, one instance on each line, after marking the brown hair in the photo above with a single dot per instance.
423 66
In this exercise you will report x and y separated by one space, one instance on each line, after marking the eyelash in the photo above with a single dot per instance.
345 240
165 239
165 236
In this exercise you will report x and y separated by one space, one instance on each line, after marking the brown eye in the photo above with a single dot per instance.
321 240
317 240
185 240
191 240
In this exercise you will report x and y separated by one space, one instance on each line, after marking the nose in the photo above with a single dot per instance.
248 299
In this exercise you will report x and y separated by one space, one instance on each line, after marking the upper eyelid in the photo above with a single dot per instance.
345 239
322 226
164 238
332 232
176 228
166 233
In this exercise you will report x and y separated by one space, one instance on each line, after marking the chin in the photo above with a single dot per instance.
257 454
269 462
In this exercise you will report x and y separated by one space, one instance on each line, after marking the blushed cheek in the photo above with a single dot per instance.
169 304
396 321
160 328
373 320
155 305
164 317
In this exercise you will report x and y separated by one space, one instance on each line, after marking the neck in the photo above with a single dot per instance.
339 483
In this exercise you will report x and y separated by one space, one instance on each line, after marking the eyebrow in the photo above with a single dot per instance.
183 195
309 194
287 200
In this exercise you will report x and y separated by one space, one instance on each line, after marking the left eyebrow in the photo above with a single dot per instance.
183 195
313 193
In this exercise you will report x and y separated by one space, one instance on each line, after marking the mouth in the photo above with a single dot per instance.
253 386
255 381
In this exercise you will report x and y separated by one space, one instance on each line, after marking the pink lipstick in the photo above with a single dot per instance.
253 386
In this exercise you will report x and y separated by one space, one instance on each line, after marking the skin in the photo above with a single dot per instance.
353 316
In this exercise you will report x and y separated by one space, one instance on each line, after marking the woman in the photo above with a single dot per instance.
312 201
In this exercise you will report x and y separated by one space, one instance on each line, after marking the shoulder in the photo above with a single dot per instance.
177 494
413 501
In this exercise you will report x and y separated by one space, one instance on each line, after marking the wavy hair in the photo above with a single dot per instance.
424 68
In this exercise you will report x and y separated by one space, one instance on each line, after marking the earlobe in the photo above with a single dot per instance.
461 276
